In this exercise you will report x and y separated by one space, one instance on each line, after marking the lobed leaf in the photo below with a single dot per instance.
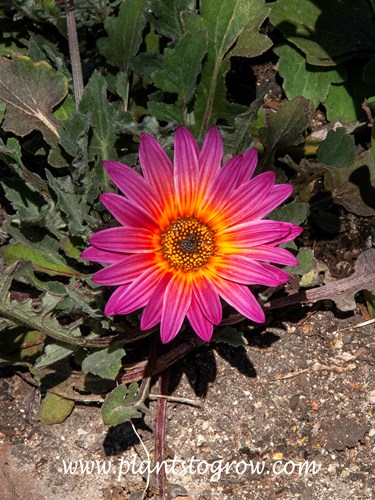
300 78
124 34
117 407
105 363
325 30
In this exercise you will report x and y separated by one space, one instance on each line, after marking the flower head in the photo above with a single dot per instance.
190 233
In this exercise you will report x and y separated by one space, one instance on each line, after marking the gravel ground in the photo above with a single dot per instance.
291 416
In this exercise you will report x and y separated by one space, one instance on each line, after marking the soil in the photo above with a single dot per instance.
300 394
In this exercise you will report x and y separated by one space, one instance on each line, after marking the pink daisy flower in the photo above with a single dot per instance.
191 232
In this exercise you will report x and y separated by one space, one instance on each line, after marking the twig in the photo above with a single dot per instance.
317 368
75 58
175 399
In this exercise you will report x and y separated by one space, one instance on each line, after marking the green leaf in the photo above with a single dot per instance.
251 43
103 114
337 150
296 213
55 409
300 78
73 204
344 101
40 318
180 72
328 32
52 354
124 34
286 127
230 336
166 112
167 14
353 187
105 363
31 91
306 262
225 21
43 253
117 407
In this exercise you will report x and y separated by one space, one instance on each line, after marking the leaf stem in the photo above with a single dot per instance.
75 58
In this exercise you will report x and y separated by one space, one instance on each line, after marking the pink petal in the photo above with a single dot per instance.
132 185
251 234
221 187
240 297
96 255
244 200
278 194
152 312
210 158
138 293
186 173
126 212
208 299
249 163
177 300
272 254
157 168
115 298
124 239
128 269
242 269
199 322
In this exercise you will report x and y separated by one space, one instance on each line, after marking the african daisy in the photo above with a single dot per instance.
191 232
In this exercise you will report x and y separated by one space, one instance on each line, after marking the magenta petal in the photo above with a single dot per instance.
125 271
199 322
242 269
126 212
221 187
208 299
96 255
132 185
152 312
240 297
250 234
278 194
177 300
138 292
124 239
249 163
156 167
116 298
210 158
272 254
186 171
245 199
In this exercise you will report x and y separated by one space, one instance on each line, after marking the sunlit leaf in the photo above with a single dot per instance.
55 409
300 78
325 30
117 407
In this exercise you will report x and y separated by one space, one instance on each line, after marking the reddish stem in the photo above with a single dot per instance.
160 433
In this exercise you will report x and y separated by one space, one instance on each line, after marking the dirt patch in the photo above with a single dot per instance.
294 411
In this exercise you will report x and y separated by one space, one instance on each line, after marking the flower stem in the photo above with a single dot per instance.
75 58
160 433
